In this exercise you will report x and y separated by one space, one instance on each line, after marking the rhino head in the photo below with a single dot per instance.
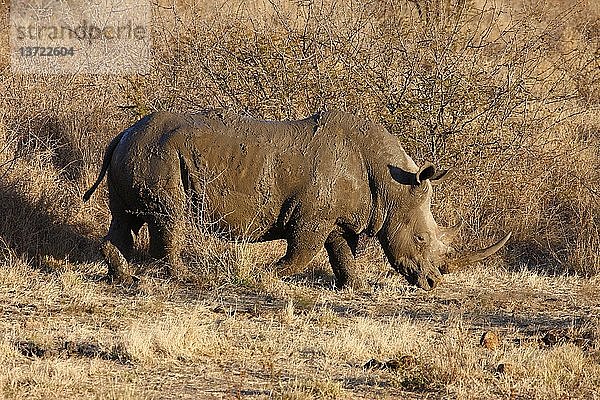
413 242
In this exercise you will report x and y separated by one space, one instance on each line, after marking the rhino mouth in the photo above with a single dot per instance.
425 276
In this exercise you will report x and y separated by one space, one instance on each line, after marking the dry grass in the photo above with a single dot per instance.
68 336
506 92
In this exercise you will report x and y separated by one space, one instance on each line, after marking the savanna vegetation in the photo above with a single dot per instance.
505 92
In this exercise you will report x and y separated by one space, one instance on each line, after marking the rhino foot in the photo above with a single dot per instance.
181 274
175 269
118 267
353 282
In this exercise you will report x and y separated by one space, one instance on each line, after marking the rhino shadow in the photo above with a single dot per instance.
28 229
51 133
501 320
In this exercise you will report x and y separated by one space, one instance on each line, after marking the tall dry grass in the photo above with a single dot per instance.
506 92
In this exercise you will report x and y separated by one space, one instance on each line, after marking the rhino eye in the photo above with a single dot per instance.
420 239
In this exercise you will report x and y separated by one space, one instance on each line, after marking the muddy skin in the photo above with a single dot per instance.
317 183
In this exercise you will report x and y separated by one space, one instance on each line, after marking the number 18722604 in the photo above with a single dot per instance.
46 51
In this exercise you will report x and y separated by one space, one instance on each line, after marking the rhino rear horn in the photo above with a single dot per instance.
447 234
459 263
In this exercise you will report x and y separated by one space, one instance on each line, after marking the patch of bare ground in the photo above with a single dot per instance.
66 335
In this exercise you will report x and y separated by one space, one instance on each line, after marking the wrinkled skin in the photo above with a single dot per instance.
317 182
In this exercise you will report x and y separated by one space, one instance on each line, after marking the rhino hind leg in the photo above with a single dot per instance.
341 250
165 244
117 247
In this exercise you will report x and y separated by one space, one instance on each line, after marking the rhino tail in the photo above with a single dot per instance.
105 164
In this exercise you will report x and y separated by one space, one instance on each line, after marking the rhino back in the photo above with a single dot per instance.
253 176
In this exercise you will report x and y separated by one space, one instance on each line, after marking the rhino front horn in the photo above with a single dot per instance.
462 261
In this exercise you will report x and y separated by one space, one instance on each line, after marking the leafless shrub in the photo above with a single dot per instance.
494 91
504 92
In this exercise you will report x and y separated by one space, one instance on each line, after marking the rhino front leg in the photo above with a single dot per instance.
302 247
341 250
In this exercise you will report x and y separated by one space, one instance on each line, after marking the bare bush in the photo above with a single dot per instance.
492 90
504 92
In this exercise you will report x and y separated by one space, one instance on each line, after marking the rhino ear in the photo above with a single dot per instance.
440 176
403 177
427 171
